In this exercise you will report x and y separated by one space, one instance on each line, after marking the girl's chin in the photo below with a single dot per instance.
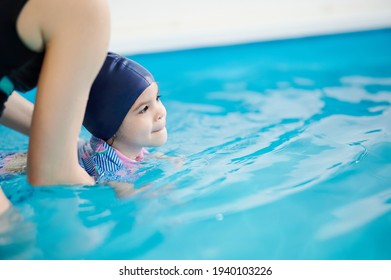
160 137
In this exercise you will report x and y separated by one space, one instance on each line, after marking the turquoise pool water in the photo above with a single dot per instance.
287 155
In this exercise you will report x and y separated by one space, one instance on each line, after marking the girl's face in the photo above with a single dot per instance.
144 125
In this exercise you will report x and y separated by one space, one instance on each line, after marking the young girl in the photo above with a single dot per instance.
124 114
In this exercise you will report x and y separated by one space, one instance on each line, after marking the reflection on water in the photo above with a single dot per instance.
280 163
347 219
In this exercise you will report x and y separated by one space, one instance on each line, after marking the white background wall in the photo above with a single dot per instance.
155 25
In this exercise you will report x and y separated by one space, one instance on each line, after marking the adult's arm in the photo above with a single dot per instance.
76 37
17 113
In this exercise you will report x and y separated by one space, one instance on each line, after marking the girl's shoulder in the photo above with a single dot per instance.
98 158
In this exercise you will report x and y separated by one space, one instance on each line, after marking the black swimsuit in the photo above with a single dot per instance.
19 66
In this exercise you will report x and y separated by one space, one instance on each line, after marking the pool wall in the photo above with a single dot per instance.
152 25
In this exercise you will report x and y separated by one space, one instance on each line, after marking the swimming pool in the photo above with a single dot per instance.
287 155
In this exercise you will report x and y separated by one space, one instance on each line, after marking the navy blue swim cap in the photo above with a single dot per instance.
118 85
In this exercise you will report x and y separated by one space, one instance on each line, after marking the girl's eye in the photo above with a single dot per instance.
144 110
158 97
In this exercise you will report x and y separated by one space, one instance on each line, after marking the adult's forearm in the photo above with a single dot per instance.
18 113
76 46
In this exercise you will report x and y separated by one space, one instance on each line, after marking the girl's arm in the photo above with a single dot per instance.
18 113
176 161
76 35
122 189
125 189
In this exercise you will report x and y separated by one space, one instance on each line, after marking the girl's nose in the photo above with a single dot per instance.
161 112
